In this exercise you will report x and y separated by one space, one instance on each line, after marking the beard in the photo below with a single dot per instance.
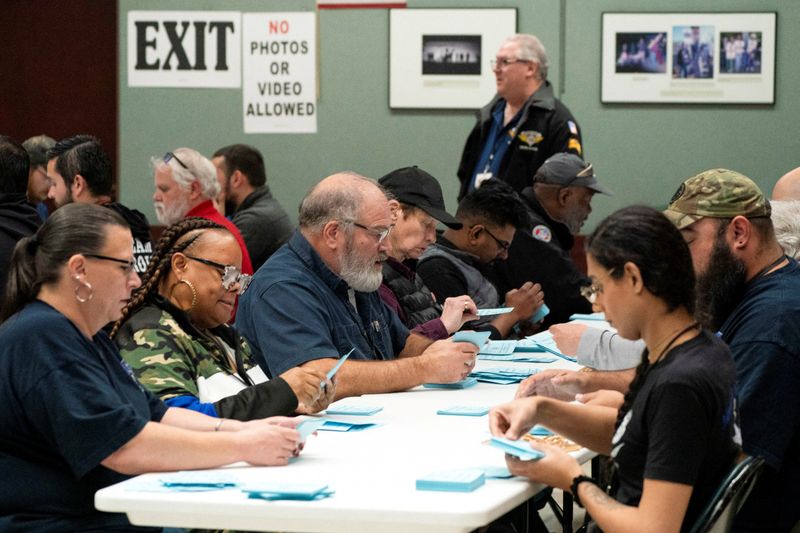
574 220
721 287
358 271
168 214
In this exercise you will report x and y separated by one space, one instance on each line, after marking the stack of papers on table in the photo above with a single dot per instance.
502 376
463 384
465 480
515 351
588 316
341 426
195 481
544 340
276 490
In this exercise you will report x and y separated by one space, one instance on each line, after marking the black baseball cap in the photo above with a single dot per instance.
569 170
414 186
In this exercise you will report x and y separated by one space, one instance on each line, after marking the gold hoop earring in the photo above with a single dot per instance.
194 293
83 285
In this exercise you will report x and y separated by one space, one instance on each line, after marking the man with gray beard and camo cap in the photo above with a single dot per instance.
316 299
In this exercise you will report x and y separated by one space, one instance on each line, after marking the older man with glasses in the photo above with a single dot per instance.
317 299
523 125
558 202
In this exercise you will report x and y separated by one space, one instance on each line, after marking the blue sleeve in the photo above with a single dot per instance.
193 404
397 330
286 326
769 399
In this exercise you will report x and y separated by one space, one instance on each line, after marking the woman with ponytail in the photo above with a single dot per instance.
74 419
174 333
672 439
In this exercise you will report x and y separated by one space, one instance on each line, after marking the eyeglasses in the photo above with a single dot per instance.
505 245
129 263
590 292
169 155
503 63
230 274
380 234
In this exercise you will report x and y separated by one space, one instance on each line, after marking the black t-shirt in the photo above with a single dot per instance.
68 403
681 425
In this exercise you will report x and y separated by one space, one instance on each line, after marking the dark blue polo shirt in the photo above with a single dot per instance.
297 310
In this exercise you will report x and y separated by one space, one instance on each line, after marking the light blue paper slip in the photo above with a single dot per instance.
463 384
332 372
588 316
276 490
519 358
545 341
541 313
465 480
498 348
495 311
540 431
503 376
357 410
340 426
478 338
464 410
195 480
517 448
309 426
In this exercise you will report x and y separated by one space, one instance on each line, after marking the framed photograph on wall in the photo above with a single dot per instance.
439 58
721 58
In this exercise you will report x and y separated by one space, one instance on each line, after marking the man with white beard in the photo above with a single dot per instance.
186 182
317 298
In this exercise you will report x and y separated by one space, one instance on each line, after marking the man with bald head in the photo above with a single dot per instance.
788 187
317 298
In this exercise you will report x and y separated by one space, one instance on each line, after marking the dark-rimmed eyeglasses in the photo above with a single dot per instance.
169 155
505 245
503 63
230 274
129 263
379 233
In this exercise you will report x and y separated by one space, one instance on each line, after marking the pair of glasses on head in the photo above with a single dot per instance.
505 245
230 274
378 233
169 156
504 62
128 267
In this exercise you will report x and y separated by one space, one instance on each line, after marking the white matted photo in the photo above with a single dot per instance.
439 58
726 58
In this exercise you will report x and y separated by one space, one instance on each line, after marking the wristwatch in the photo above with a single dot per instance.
574 487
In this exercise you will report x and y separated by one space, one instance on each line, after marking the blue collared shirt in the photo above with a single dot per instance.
496 144
297 310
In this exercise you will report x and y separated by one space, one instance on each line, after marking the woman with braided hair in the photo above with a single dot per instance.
672 439
174 333
74 419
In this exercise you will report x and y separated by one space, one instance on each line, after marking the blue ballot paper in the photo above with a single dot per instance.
498 348
340 426
517 448
478 338
503 376
277 490
540 431
544 340
464 410
332 372
463 384
309 426
356 410
540 314
465 480
495 311
588 316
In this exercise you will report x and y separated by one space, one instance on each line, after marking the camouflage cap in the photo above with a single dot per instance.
716 193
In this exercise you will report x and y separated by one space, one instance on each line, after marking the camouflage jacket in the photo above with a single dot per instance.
189 367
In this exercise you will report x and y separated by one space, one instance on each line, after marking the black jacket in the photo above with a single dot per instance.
140 228
18 219
540 253
546 127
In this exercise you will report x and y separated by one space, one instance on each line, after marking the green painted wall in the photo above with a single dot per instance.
641 151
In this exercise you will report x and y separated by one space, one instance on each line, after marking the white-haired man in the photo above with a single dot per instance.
522 126
185 184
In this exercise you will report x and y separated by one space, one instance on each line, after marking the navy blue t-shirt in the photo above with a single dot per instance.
68 403
764 336
297 310
681 425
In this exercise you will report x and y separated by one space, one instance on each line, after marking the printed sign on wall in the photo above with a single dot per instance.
184 49
279 81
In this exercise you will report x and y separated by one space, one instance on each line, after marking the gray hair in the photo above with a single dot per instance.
531 49
37 148
786 221
324 203
199 169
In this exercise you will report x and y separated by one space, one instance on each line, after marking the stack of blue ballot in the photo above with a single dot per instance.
198 481
515 351
544 340
503 376
276 490
588 316
465 480
518 448
342 426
